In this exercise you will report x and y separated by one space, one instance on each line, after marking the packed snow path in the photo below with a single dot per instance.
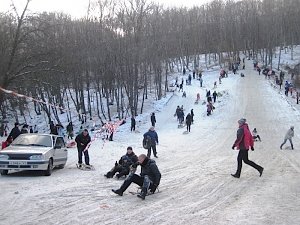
196 186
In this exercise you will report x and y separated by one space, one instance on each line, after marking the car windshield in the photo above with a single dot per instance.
33 140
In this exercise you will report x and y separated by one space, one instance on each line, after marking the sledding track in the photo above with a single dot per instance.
196 186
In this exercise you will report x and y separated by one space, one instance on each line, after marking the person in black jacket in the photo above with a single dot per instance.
153 119
123 167
192 114
188 121
82 140
149 178
132 124
215 95
15 132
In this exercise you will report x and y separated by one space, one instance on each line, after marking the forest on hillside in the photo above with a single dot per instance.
123 50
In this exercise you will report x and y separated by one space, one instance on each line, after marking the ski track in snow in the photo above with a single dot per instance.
196 186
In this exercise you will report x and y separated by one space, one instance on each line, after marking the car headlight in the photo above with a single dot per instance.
4 157
36 157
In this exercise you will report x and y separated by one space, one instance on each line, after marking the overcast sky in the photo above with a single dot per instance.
78 8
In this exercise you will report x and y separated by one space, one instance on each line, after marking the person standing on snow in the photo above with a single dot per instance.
82 140
152 137
209 108
132 127
201 81
149 178
215 96
192 114
243 142
15 132
208 97
288 136
153 120
60 130
188 121
53 129
70 130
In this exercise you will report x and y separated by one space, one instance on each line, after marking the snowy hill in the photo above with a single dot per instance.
196 186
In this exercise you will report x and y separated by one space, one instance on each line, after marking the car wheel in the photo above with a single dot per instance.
4 172
49 170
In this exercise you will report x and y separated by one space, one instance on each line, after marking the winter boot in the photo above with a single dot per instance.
261 171
109 175
292 147
143 193
119 175
123 188
118 192
235 175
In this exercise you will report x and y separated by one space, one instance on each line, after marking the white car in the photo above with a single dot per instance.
34 152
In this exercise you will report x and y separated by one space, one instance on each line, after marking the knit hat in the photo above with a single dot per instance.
292 127
242 121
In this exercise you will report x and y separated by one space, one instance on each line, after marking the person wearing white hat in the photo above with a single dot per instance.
288 136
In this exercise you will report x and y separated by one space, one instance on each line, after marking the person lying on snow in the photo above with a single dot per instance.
123 167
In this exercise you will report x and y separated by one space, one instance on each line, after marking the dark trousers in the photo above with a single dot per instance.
143 182
152 123
86 156
153 147
119 168
243 156
188 127
111 136
132 128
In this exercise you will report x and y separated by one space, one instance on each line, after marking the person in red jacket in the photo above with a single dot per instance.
7 142
243 142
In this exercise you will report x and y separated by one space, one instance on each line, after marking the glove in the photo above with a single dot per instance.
233 147
153 188
252 148
134 165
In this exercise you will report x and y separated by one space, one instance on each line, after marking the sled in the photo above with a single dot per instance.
85 167
139 189
71 144
181 125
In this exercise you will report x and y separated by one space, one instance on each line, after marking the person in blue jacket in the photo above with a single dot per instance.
152 140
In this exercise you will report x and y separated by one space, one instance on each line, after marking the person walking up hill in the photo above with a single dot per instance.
288 136
243 142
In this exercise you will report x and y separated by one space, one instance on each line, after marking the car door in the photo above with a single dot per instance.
60 151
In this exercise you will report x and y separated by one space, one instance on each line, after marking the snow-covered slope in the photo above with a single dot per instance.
196 186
